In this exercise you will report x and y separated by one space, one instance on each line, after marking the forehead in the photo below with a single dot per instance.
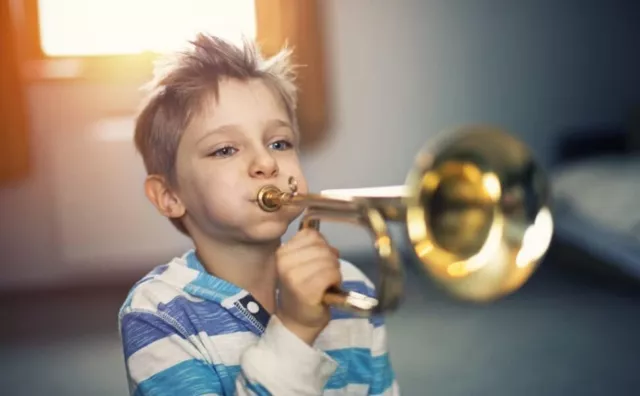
250 102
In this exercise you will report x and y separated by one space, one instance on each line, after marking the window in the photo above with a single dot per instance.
107 41
117 41
81 28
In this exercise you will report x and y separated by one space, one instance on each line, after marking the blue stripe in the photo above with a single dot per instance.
192 261
206 285
141 329
377 320
357 366
192 377
199 316
383 374
230 374
211 288
354 367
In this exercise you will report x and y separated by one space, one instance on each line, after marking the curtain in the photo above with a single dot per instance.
298 23
14 129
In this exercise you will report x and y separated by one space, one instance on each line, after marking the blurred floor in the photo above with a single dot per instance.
562 334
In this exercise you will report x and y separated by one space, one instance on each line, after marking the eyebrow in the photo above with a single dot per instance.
219 130
271 124
278 123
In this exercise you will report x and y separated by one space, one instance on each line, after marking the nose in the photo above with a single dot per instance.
264 166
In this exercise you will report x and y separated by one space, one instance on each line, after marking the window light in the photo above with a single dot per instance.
73 28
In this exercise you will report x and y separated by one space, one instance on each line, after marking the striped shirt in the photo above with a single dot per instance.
186 332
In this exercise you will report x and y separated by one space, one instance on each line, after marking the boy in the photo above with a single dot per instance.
241 313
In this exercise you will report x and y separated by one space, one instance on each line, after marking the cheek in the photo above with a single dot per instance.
291 167
222 190
211 190
303 188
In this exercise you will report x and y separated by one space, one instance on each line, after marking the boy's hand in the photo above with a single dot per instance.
307 267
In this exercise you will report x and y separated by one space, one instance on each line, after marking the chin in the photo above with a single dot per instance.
268 231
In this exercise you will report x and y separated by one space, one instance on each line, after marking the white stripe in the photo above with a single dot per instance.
394 390
361 389
352 273
165 287
159 356
154 292
178 274
183 259
351 389
346 333
379 345
228 348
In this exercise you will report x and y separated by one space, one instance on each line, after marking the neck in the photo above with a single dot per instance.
251 267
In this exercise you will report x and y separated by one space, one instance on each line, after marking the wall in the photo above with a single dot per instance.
401 71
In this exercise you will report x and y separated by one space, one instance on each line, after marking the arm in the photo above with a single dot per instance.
159 360
383 380
286 365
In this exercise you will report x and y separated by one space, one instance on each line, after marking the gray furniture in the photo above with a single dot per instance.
596 191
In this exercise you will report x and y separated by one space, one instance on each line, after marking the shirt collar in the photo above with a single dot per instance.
234 299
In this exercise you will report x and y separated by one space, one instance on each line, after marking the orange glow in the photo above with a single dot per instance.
119 27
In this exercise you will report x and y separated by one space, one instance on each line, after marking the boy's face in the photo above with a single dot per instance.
235 146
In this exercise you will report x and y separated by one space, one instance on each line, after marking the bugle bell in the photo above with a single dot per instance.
474 207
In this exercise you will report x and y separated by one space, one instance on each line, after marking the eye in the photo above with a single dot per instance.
226 151
281 145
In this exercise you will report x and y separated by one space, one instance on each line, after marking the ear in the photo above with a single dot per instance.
163 197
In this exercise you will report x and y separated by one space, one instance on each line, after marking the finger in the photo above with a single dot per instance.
302 271
313 288
304 234
300 275
317 286
307 236
300 242
290 256
311 256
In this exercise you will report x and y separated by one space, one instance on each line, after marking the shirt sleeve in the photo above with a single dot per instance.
283 364
159 360
380 370
384 381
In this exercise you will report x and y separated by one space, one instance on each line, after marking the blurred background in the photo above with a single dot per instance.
384 77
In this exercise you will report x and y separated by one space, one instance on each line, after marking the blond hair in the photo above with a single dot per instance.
184 81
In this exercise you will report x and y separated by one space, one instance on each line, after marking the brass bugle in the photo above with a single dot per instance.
475 208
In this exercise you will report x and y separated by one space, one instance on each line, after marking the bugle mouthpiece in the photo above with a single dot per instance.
270 198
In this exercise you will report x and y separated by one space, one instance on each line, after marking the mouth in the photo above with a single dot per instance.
269 197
